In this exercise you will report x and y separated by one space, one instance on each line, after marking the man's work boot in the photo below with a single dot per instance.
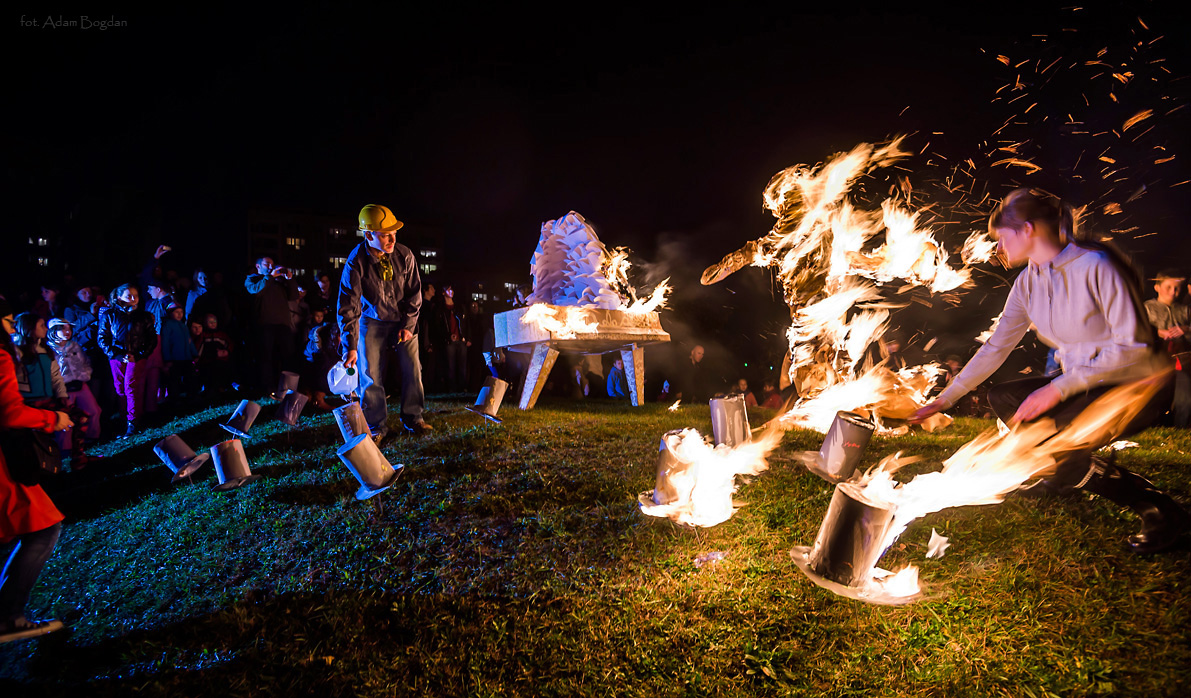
418 427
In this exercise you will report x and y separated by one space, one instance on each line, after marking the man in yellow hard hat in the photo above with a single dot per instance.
380 296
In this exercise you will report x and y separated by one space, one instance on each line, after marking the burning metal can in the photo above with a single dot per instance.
851 537
730 421
664 491
842 448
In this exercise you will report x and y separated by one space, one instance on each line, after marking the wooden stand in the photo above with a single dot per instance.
617 330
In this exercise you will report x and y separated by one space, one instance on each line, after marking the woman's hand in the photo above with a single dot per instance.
1039 402
63 421
926 411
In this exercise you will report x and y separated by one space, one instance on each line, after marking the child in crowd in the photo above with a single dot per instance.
75 368
196 335
42 385
321 353
178 354
742 388
215 357
771 398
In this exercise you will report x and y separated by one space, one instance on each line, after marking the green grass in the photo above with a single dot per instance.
513 560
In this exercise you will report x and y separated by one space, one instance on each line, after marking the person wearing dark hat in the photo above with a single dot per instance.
380 297
1172 321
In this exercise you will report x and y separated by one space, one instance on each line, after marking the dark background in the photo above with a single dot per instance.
661 127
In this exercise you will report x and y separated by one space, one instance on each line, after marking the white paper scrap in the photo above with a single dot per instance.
937 544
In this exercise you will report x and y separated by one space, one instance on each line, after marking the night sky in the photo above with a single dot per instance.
662 128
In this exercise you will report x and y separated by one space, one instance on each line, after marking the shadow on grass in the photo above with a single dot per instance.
88 494
285 645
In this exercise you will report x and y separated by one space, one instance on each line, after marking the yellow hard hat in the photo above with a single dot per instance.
379 219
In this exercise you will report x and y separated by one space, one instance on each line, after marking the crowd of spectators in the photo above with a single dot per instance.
115 358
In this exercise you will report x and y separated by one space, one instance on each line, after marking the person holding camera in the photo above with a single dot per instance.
272 288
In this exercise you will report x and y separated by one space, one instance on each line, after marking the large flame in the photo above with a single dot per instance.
704 477
564 321
986 469
831 274
616 267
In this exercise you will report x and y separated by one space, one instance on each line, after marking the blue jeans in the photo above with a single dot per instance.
378 339
29 555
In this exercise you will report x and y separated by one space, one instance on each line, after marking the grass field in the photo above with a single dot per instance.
512 560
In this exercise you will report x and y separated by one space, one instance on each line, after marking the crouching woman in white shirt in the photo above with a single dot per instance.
1082 299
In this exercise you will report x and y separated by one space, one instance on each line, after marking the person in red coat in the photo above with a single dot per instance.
27 515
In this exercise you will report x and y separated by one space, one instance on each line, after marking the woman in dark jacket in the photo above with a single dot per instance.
128 336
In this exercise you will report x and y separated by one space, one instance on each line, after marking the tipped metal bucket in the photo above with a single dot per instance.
488 402
370 467
842 448
350 418
231 465
291 407
730 421
851 537
241 420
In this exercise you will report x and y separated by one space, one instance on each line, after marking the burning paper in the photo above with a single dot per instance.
832 274
571 267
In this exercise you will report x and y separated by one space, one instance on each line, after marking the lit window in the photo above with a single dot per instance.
479 296
295 243
337 262
42 242
429 254
339 232
427 268
510 287
43 261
